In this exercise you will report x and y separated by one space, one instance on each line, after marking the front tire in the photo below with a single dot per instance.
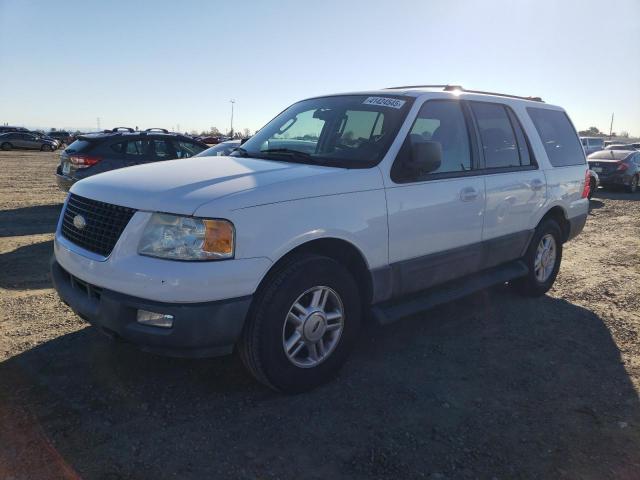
543 259
46 148
633 186
302 325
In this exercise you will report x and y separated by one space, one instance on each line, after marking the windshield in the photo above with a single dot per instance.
352 131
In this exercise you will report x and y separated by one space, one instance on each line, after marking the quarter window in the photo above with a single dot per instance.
558 136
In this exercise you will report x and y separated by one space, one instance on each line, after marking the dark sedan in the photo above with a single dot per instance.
617 168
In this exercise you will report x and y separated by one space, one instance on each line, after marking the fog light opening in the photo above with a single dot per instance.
154 319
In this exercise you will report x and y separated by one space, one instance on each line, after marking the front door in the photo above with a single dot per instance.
435 218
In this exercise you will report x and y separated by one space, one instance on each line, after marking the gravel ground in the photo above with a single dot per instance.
492 386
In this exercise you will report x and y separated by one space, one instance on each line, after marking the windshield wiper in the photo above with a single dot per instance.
288 151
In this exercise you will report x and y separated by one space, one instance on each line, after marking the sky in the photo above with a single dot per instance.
178 63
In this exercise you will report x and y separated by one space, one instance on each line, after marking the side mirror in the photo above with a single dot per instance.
426 157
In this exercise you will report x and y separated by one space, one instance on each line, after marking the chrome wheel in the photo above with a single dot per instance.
545 259
313 327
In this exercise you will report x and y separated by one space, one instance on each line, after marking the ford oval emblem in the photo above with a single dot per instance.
79 222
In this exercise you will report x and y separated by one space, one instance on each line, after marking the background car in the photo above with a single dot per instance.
617 168
619 146
8 128
121 147
211 140
592 144
64 137
224 148
26 140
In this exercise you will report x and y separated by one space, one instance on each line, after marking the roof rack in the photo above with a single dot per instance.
163 130
451 88
117 129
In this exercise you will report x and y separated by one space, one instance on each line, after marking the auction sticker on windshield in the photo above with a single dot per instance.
384 102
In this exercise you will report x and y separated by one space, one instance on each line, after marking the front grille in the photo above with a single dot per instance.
104 224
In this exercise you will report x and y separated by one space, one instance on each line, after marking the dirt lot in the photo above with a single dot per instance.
493 386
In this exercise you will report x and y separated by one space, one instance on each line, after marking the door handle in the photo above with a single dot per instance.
468 194
537 184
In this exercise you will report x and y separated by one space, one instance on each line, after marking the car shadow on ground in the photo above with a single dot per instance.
29 220
26 267
493 385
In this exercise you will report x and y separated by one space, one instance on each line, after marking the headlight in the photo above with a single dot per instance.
187 238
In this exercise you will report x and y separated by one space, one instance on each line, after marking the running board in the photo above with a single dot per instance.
390 311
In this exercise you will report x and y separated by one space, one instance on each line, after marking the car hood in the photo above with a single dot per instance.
182 186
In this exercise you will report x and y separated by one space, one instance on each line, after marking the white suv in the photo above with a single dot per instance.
383 202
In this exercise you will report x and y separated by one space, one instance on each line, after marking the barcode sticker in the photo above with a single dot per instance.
384 102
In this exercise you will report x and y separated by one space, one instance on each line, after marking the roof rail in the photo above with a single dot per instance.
163 130
451 88
444 87
117 129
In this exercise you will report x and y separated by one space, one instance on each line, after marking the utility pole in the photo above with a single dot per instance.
611 127
232 104
98 122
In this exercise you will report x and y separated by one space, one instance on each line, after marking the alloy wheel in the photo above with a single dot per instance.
545 259
313 327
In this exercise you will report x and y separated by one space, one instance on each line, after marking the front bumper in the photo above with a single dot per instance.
204 329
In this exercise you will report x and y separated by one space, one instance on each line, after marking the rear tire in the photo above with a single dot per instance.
543 259
6 146
633 186
294 350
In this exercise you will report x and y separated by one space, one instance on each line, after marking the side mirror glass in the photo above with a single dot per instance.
426 157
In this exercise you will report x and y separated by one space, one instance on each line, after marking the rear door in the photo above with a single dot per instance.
515 186
435 219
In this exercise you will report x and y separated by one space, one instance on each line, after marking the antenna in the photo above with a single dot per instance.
233 102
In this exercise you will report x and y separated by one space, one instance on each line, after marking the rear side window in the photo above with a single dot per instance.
162 149
499 142
132 147
558 137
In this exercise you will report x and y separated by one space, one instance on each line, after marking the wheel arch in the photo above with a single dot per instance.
340 250
559 215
